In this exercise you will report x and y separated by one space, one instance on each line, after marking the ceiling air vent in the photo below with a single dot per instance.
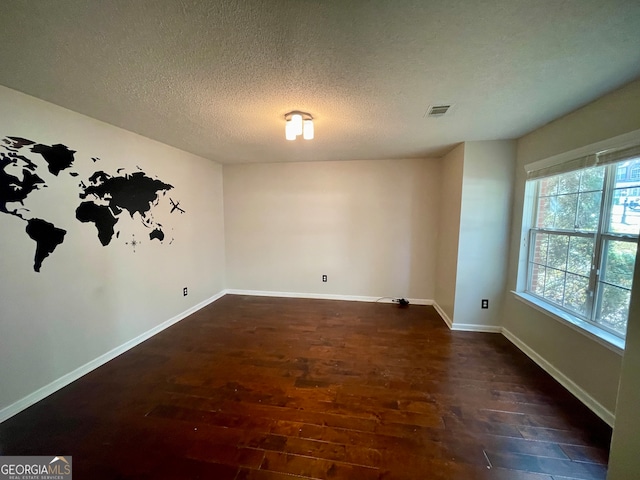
437 110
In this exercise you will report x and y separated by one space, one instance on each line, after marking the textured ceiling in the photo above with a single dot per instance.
216 77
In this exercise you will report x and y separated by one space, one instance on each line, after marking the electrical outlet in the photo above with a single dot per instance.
185 291
485 303
324 278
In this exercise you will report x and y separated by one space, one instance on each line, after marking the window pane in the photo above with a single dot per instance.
625 209
571 200
576 293
616 278
592 179
569 182
549 186
565 209
558 249
540 247
554 285
546 215
580 255
614 308
589 211
618 262
537 279
625 213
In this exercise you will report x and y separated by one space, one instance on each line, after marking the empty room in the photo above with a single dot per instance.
313 239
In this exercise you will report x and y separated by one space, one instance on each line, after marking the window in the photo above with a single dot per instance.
621 173
582 242
635 173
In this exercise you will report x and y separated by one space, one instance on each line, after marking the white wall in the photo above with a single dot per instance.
371 226
591 367
451 170
487 186
88 298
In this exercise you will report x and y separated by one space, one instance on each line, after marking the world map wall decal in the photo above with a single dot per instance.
104 198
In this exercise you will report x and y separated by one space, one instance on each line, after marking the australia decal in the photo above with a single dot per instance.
103 198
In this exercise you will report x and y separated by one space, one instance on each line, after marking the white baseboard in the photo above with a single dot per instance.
443 314
65 380
325 296
420 301
566 382
472 327
465 327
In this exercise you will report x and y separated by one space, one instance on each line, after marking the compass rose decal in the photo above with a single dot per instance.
133 243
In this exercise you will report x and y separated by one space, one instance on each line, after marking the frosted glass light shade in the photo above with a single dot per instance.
290 130
308 130
296 119
299 124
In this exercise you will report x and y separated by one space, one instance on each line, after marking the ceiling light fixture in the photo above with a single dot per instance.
298 123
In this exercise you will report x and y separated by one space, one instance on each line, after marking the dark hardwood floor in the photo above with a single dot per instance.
270 388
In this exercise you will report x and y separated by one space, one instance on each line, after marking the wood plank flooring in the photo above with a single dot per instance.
275 389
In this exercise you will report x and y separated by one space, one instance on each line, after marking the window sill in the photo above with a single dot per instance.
606 339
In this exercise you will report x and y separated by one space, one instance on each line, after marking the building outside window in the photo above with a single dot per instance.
621 173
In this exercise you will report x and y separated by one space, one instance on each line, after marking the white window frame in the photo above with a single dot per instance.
587 328
601 238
